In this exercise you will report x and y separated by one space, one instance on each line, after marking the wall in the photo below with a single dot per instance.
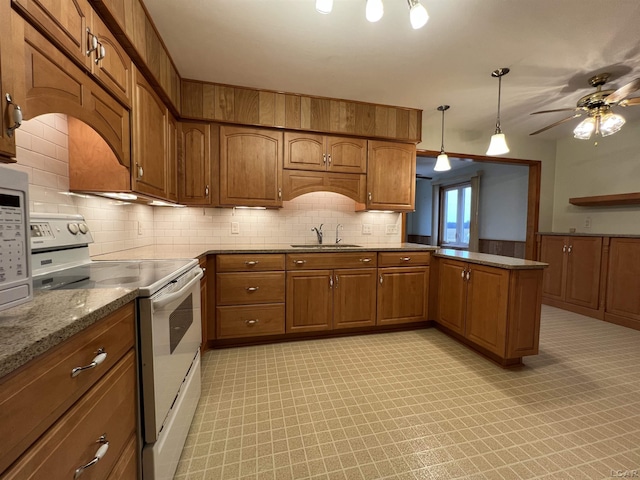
42 152
583 169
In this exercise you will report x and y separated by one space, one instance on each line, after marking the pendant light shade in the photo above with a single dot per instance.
418 15
374 10
442 162
498 145
324 6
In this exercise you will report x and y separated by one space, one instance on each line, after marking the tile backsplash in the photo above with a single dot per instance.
42 152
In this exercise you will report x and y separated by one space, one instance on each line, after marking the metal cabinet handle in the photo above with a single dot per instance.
279 193
252 322
569 249
329 158
253 289
204 269
381 279
206 190
97 360
17 115
324 158
102 451
330 281
299 262
102 52
140 170
405 259
251 263
468 274
92 42
462 273
337 281
365 260
564 249
369 196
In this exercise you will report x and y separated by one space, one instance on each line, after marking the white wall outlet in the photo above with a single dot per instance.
367 229
139 228
391 229
235 228
587 222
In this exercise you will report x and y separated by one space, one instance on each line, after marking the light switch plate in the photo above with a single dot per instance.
391 229
367 229
587 222
235 228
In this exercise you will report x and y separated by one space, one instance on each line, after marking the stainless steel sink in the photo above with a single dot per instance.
329 245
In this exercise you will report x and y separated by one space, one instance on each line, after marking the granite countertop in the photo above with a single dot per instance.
490 260
31 329
583 234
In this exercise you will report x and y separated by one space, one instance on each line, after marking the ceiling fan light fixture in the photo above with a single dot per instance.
442 162
418 15
584 129
498 144
611 123
324 6
374 10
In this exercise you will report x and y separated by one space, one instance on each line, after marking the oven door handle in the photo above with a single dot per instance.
166 299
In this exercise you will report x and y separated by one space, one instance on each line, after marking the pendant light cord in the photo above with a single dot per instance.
498 130
442 142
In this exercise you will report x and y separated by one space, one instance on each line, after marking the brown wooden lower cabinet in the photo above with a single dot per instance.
495 309
623 283
403 294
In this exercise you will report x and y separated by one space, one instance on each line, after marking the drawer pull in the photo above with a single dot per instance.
299 262
252 289
251 263
365 260
251 322
381 280
97 360
405 259
102 451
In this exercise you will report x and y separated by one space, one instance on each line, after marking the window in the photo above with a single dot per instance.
456 215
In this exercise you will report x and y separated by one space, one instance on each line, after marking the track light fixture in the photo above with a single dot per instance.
374 10
442 162
498 145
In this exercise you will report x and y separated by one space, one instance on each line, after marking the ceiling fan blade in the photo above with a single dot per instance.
556 124
558 110
623 92
629 102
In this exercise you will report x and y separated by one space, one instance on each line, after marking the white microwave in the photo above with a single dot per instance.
15 251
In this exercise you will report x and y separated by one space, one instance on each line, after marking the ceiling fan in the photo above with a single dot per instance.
598 106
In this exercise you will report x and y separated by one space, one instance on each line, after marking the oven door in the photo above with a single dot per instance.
170 337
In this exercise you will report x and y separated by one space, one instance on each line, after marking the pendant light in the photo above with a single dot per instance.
442 163
418 15
324 6
374 10
498 145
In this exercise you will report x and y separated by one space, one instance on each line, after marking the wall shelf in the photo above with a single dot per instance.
607 200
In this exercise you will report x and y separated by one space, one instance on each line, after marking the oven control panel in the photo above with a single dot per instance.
55 231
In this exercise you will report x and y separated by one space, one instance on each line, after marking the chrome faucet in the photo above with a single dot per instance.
318 233
338 239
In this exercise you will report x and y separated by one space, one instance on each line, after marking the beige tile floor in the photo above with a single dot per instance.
418 405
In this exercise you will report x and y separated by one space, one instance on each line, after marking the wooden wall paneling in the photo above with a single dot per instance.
280 110
382 125
320 114
208 101
192 99
224 103
246 103
347 117
292 111
305 113
533 211
334 116
266 108
365 120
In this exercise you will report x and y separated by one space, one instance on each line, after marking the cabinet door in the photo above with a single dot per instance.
309 300
552 251
623 282
391 176
250 167
346 155
304 152
65 22
173 134
487 302
402 295
11 76
583 271
195 164
113 70
452 289
354 298
149 172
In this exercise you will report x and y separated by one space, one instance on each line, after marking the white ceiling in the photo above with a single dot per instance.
551 46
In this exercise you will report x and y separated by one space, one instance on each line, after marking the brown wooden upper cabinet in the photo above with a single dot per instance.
173 139
391 176
11 79
250 167
150 120
573 275
324 153
195 164
75 28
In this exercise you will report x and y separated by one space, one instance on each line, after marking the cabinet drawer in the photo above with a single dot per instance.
127 466
250 321
249 262
247 288
34 396
401 259
310 261
108 409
